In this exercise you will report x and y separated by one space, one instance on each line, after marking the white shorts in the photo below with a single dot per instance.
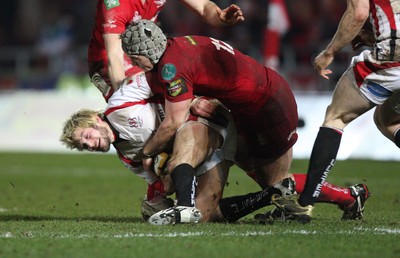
377 80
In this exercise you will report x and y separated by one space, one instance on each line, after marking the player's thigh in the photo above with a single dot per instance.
193 144
347 104
387 120
271 171
210 189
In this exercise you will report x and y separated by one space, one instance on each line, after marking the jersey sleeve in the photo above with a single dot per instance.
177 81
116 17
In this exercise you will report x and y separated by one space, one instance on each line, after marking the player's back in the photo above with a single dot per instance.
214 68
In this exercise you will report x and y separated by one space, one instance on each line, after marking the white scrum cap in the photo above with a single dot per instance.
144 38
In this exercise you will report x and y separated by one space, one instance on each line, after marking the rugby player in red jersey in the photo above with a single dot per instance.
108 66
133 115
260 100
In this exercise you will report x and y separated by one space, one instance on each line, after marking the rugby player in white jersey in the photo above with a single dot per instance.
371 80
132 115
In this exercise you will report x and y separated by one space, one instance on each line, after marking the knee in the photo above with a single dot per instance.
337 119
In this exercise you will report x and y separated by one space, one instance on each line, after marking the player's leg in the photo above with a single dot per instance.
351 200
347 104
194 142
209 191
272 171
387 118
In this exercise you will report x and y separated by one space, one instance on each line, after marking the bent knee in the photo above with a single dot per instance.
337 119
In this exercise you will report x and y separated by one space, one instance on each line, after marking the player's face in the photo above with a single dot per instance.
143 62
92 139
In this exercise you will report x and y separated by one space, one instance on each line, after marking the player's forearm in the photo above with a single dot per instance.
350 25
116 72
115 56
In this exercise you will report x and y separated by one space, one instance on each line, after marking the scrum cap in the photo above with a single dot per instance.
144 38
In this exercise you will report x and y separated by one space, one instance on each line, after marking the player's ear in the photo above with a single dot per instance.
98 119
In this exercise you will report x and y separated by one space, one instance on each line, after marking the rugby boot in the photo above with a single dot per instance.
175 215
290 206
355 211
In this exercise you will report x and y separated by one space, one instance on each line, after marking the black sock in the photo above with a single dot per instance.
397 138
236 207
184 179
323 156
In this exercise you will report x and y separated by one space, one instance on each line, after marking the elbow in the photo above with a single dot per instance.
361 13
361 17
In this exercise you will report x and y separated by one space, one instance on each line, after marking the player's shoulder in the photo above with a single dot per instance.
179 48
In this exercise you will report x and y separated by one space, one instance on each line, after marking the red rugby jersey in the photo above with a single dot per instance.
197 65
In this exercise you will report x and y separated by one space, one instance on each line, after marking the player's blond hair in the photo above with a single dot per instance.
84 118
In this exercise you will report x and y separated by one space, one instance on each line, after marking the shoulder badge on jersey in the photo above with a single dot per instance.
111 3
168 72
177 88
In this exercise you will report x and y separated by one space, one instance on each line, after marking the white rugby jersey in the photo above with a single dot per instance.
376 72
385 20
132 114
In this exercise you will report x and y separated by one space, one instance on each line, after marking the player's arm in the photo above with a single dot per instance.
115 56
176 113
350 25
212 14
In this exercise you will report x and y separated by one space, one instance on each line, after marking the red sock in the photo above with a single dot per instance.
155 190
329 193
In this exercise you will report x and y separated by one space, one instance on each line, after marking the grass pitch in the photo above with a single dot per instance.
88 205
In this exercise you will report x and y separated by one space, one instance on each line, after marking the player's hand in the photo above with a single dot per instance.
203 107
321 62
231 14
147 163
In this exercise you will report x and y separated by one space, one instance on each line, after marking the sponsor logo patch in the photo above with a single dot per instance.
111 4
177 88
168 72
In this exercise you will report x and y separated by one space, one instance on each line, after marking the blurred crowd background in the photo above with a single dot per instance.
43 43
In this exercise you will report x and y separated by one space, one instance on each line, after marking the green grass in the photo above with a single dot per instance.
84 205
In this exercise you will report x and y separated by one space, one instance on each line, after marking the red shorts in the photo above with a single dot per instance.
270 131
